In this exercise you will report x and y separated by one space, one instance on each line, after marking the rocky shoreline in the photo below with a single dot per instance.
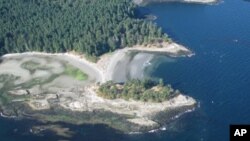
118 122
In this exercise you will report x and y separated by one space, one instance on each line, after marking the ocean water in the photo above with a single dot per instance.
218 76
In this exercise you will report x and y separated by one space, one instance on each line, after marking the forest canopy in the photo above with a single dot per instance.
146 90
93 27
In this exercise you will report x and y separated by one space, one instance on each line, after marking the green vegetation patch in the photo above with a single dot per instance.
8 78
143 90
75 73
5 98
38 81
31 66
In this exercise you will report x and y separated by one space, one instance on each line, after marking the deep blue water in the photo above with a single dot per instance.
218 76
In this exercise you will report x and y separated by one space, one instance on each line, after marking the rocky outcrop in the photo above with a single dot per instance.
186 1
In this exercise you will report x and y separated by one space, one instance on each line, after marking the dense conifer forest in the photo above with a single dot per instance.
93 27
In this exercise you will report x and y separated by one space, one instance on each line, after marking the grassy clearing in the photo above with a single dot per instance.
75 73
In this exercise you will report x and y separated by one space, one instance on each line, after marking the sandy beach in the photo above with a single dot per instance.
119 65
105 68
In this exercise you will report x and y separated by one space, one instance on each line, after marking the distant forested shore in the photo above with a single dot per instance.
92 27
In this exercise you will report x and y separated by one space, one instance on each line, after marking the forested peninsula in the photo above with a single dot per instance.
92 27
